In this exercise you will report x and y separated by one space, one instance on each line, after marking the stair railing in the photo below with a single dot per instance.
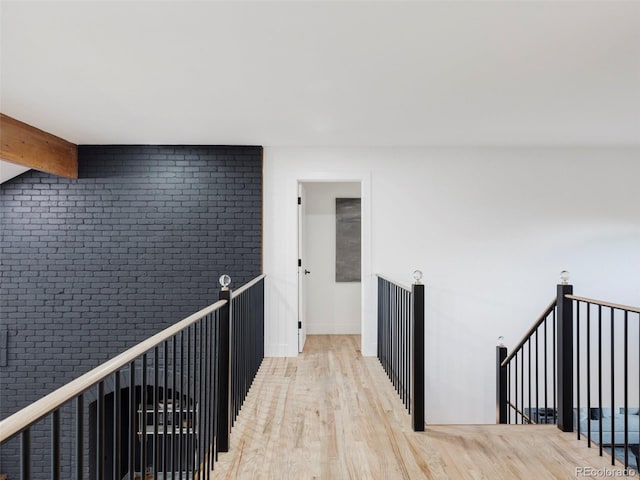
604 349
526 376
401 342
161 407
593 353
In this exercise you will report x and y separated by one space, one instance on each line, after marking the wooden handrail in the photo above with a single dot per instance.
247 286
394 282
32 413
604 304
527 335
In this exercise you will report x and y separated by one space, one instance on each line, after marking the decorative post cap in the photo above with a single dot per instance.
417 276
564 277
225 281
501 342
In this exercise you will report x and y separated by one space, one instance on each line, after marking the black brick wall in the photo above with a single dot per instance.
90 267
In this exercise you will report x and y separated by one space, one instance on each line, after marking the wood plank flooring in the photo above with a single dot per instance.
333 414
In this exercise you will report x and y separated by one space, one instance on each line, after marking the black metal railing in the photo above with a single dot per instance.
154 411
589 356
526 377
607 350
401 342
247 316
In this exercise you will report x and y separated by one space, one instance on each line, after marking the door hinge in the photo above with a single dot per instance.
299 200
299 262
299 325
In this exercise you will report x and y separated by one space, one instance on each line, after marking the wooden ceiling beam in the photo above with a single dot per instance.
29 146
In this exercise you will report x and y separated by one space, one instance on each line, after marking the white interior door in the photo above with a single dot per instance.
302 270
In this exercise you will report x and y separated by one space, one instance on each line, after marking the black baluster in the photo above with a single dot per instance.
216 382
212 422
201 392
174 405
396 342
509 382
410 368
626 389
404 354
238 335
537 381
100 433
188 406
546 367
80 437
379 349
588 306
132 417
600 375
408 349
165 409
55 445
156 401
236 372
515 377
393 338
522 385
531 416
388 326
578 368
613 378
384 328
180 407
143 417
554 361
25 455
207 419
117 427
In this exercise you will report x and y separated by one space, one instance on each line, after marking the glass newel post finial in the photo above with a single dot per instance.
225 281
564 277
417 276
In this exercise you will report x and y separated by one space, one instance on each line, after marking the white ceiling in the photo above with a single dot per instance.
318 73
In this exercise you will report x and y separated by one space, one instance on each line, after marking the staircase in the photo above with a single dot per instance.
572 369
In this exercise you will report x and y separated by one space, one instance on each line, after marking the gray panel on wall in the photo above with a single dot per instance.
348 240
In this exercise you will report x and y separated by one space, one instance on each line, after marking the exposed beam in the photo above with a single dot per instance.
26 145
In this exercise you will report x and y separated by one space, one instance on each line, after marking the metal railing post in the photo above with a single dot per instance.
565 354
417 354
224 365
501 384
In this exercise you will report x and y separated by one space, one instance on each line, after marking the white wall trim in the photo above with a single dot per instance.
280 250
368 345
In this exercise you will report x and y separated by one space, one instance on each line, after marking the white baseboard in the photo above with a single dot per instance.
333 329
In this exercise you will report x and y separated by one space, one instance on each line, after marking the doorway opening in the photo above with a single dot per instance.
329 253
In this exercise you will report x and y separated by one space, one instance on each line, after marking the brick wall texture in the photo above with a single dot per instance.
90 267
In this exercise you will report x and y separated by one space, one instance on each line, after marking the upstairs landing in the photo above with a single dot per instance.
333 414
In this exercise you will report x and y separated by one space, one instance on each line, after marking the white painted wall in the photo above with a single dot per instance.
9 170
332 307
490 227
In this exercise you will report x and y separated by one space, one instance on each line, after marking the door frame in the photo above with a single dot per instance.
302 267
368 332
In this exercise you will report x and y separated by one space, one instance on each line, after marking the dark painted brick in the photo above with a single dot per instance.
92 266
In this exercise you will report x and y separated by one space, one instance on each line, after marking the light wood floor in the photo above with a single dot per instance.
333 414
